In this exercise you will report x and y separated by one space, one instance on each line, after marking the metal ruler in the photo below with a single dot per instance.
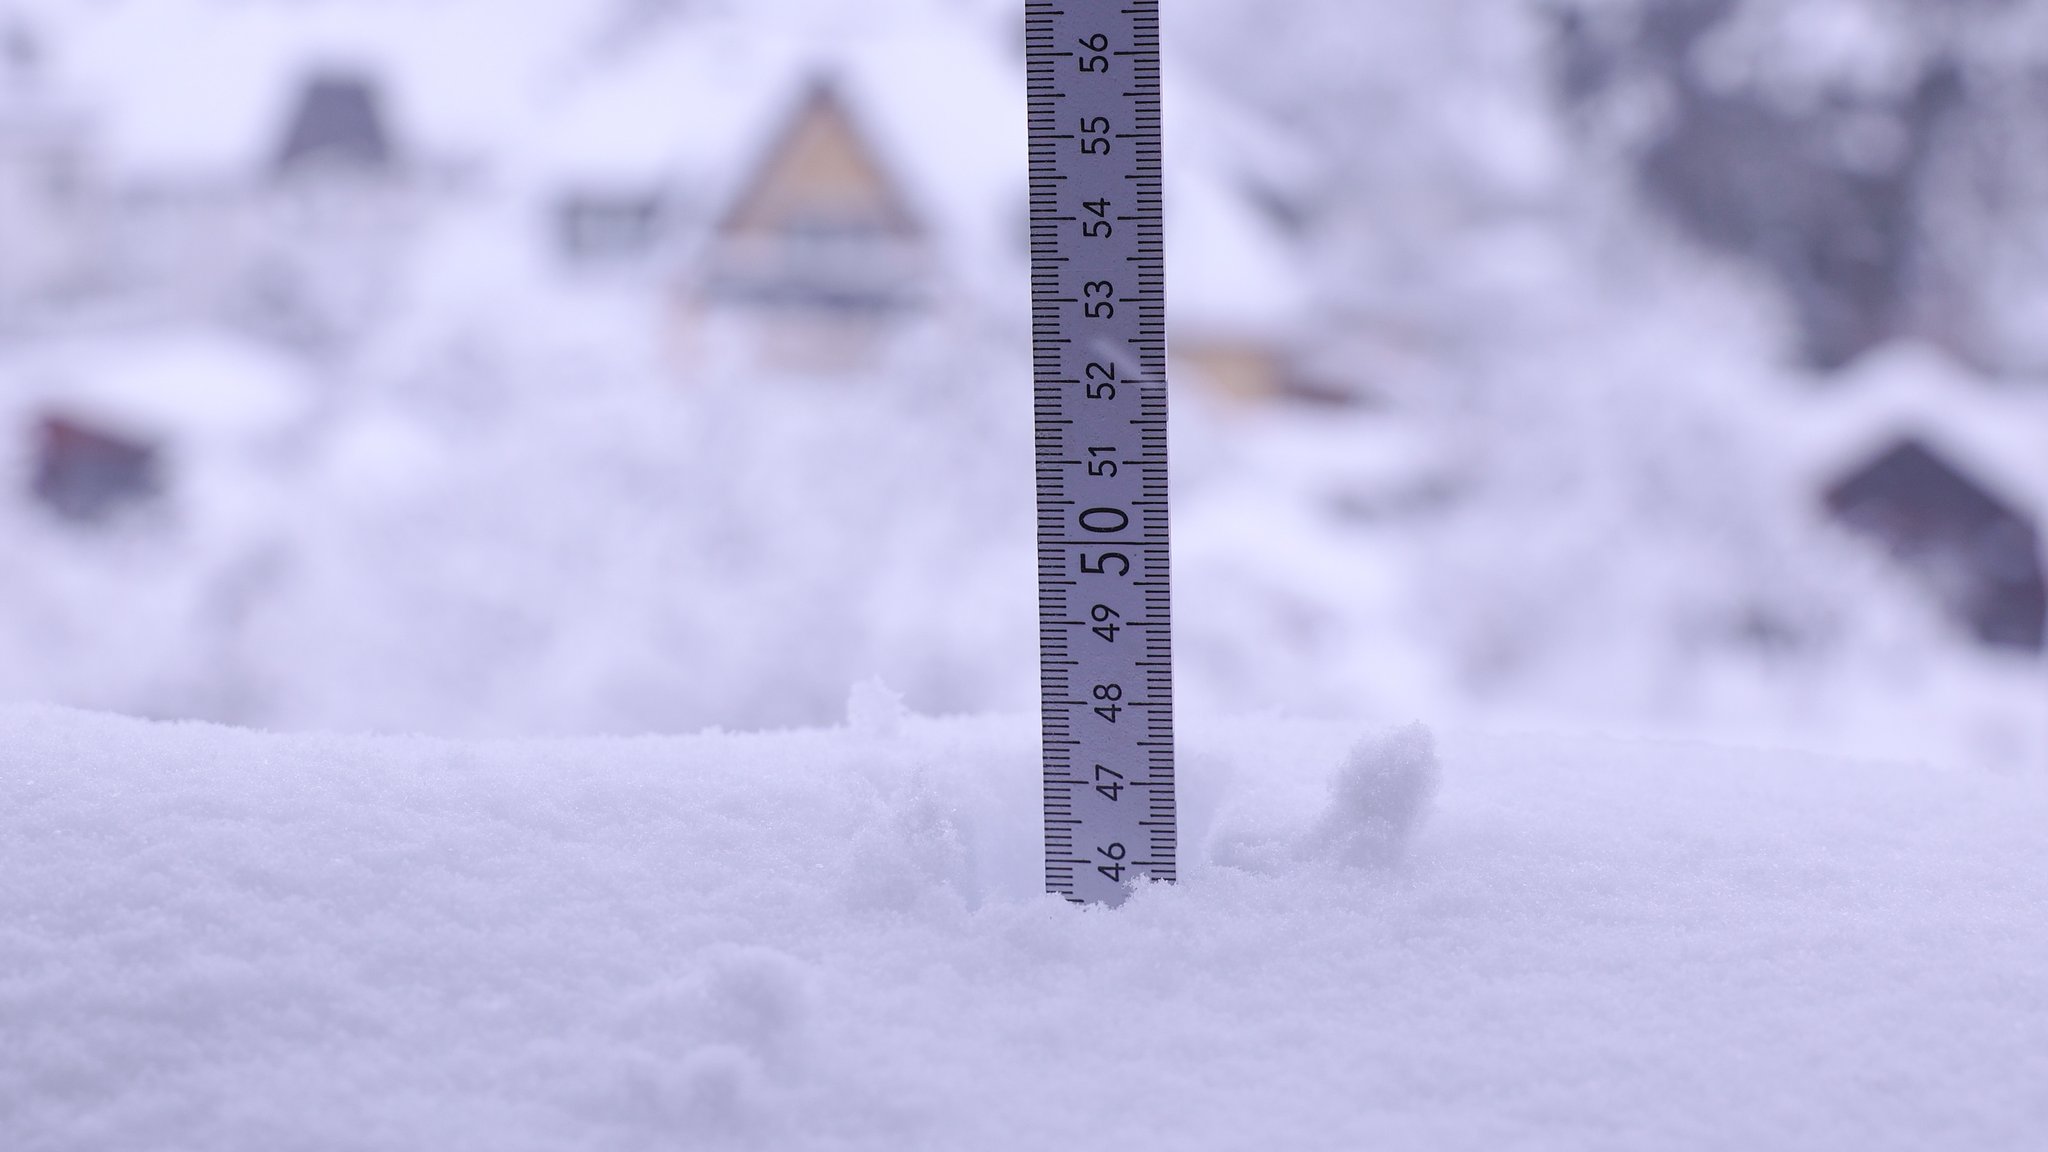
1098 297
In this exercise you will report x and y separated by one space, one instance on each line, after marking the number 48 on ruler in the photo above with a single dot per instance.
1098 299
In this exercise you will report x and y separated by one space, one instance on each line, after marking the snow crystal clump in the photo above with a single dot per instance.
1377 800
756 999
911 852
727 1040
875 710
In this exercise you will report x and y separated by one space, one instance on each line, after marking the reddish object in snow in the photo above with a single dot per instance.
85 473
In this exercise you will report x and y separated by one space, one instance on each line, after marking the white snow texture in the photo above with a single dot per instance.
219 939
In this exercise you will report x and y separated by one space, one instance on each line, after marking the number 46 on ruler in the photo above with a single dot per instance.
1098 300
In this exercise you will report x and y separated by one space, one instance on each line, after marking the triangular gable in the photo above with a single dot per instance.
921 161
1921 489
1978 553
821 173
339 123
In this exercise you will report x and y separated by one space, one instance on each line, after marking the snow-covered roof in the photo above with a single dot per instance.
1996 433
177 387
695 107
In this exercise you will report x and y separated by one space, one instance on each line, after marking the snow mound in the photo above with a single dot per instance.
212 938
1377 799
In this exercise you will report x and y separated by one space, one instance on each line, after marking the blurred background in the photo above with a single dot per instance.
513 367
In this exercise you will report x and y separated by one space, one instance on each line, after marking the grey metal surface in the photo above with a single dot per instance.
1098 290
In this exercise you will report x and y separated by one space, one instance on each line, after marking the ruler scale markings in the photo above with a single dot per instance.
1099 352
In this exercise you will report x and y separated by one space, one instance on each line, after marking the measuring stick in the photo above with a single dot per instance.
1098 308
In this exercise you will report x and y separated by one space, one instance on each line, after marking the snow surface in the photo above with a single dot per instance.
212 938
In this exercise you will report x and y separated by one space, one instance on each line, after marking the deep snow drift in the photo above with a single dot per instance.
833 938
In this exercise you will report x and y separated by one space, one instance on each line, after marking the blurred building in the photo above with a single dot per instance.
1977 552
821 256
850 194
49 222
86 471
1948 479
200 419
1879 168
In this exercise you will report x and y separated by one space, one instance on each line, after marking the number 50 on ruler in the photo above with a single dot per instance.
1098 296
